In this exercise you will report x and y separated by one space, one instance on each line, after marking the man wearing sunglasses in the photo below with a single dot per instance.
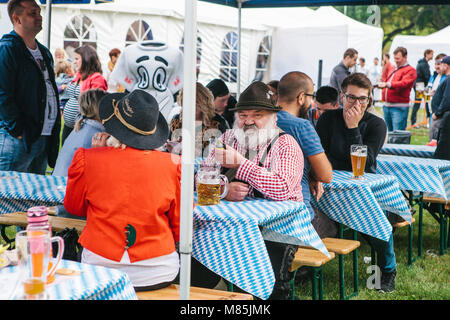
353 124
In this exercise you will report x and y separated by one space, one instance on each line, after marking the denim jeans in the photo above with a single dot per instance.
13 156
385 252
396 117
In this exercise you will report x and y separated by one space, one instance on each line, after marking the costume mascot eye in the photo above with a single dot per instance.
144 78
159 79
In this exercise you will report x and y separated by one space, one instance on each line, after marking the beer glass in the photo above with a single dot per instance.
420 88
208 184
34 255
358 154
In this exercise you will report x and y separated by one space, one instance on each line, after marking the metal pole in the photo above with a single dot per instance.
49 22
319 77
188 145
239 48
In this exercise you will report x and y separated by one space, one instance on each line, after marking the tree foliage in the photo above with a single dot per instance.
402 19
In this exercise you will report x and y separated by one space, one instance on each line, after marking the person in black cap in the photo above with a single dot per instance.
261 161
222 100
133 220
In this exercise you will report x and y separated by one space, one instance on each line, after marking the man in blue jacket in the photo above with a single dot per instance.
29 117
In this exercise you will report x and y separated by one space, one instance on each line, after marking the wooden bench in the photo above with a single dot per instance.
58 223
343 247
442 219
313 259
172 292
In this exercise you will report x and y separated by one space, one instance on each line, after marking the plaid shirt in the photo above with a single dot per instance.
281 174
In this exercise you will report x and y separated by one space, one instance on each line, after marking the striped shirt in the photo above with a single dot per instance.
281 174
72 108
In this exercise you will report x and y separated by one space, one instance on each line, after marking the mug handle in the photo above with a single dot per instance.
60 241
225 189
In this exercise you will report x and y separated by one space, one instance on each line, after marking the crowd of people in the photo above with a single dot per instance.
122 156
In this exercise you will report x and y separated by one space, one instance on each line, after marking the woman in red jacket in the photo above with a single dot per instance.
88 76
133 220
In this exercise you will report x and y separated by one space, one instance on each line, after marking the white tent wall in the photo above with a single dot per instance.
313 44
439 42
5 23
112 21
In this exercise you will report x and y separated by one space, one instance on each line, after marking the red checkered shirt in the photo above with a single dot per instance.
281 174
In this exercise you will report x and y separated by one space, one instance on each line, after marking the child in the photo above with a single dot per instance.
64 75
85 128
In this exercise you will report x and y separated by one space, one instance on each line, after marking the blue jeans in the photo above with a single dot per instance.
396 117
13 156
385 252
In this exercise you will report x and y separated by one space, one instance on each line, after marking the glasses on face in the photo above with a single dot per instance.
313 95
352 99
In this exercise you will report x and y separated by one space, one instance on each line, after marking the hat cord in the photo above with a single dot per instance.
126 124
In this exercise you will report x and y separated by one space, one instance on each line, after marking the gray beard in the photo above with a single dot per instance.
254 138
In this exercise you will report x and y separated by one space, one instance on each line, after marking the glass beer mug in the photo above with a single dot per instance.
208 184
358 154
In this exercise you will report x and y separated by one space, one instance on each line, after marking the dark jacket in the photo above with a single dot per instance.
337 139
23 93
441 99
443 140
423 71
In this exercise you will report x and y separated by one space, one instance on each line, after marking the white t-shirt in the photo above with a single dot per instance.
51 108
152 66
141 273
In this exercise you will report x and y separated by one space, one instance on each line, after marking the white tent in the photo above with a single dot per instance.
324 35
439 42
5 23
112 21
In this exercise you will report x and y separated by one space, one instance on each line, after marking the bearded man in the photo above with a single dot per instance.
262 161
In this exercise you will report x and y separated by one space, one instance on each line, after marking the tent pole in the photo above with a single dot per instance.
188 145
49 22
239 48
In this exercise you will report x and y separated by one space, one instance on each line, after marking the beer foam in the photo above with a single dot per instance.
210 181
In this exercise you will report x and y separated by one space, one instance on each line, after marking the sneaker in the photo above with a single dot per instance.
388 281
432 143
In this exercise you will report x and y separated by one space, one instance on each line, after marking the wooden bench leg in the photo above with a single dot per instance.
342 295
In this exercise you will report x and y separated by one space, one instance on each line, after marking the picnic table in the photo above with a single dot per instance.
359 204
409 150
20 191
421 178
228 238
93 283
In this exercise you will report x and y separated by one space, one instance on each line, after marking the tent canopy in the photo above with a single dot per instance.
300 3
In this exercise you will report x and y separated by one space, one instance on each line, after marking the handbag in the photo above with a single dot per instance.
72 249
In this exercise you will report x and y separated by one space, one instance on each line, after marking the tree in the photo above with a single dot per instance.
402 19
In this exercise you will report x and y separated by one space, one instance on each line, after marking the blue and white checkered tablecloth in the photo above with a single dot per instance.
228 239
431 176
94 283
20 191
359 204
409 150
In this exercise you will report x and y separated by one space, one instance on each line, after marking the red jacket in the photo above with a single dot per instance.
387 70
115 188
402 80
94 81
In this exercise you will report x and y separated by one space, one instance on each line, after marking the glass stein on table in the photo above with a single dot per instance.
209 184
358 155
37 218
34 253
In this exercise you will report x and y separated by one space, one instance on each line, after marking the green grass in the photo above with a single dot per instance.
427 279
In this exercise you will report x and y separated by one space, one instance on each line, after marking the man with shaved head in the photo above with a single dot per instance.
295 93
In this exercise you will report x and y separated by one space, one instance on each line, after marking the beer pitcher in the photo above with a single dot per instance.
209 186
34 253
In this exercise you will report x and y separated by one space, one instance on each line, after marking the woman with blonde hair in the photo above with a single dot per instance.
208 123
84 129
